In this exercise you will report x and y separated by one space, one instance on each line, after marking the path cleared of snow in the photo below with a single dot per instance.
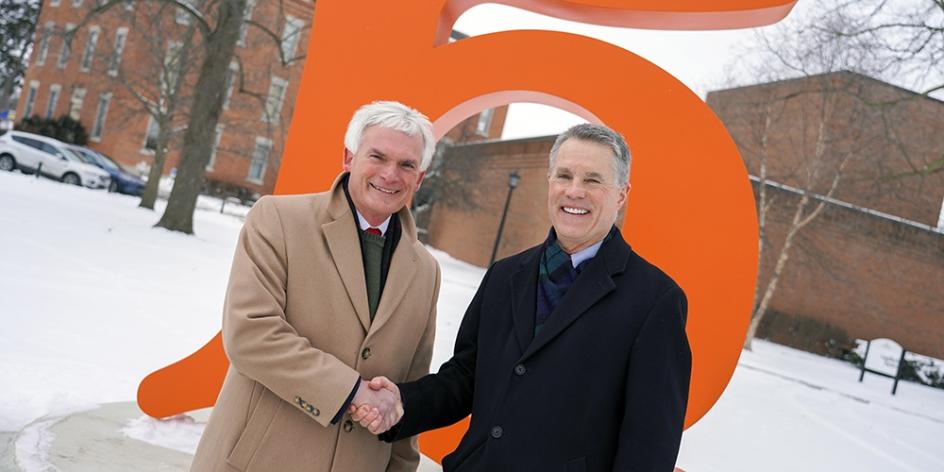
92 299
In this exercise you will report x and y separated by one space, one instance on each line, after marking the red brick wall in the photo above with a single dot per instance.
126 122
867 275
469 233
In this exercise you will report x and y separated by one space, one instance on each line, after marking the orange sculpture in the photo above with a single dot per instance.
691 210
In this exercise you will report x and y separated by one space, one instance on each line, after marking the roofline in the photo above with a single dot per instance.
849 72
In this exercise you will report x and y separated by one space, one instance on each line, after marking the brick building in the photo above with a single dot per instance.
870 265
126 57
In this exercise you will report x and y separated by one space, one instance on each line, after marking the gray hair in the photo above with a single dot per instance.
393 115
602 135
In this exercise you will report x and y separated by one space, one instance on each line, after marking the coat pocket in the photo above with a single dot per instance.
260 420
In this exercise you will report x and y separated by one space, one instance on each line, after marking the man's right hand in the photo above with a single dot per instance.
377 405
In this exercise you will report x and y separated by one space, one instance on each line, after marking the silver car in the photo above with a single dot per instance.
31 153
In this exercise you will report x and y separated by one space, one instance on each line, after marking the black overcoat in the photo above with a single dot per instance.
603 386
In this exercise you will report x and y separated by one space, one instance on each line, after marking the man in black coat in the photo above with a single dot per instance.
573 355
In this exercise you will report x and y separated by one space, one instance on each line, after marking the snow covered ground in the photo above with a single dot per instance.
92 299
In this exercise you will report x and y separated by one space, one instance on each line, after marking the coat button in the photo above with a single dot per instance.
365 354
348 426
520 369
314 411
497 432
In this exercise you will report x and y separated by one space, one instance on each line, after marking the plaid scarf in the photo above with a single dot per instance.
556 274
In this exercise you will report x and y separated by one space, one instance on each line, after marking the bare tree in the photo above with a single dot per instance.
451 177
219 24
158 81
804 131
904 41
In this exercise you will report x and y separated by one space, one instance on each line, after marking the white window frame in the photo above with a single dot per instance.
66 52
260 142
273 105
76 3
216 146
31 94
101 113
55 90
44 42
78 96
940 219
151 123
181 16
90 42
171 67
232 78
291 36
121 39
244 27
54 3
484 122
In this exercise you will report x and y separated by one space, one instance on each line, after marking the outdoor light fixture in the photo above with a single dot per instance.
513 180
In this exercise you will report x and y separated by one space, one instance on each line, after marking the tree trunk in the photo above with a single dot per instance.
205 114
154 175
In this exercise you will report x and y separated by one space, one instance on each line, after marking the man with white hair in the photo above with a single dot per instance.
326 290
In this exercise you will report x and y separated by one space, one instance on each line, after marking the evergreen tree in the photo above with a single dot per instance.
17 24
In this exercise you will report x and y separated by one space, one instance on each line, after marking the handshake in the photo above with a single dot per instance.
377 405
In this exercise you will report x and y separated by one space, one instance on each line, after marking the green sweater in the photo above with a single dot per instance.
372 245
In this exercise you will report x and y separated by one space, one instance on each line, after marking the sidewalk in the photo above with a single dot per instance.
92 441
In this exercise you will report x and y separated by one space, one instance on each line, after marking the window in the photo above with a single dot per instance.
54 3
940 219
231 80
75 103
244 27
273 106
90 41
485 122
171 66
100 112
129 5
120 37
31 98
150 136
260 157
291 34
216 146
181 16
76 3
54 90
66 50
44 42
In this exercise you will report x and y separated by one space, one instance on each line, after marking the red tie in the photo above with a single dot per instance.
373 231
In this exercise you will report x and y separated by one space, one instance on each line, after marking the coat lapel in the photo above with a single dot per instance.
402 271
524 283
403 267
593 284
343 242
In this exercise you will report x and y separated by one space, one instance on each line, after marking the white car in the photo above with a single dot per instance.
52 158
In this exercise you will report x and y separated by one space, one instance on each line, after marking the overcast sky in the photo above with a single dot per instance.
698 59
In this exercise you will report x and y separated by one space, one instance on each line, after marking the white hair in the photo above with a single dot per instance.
393 115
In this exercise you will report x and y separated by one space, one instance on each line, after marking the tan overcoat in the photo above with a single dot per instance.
297 331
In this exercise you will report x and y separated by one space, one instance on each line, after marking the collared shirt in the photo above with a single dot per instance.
363 224
585 254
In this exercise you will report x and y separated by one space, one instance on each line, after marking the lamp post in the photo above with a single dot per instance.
513 180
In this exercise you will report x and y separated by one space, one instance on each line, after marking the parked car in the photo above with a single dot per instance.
122 181
52 158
